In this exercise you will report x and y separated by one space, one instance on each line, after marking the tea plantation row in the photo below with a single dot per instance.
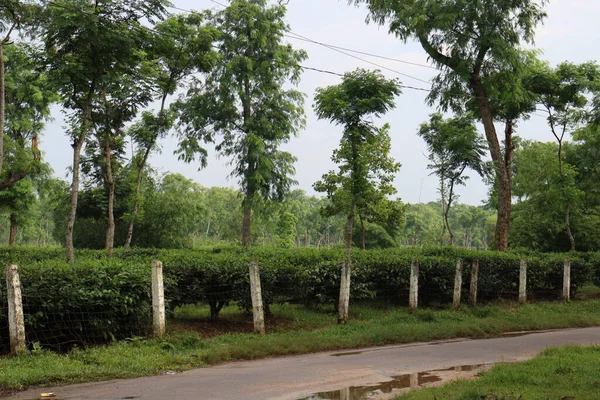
99 299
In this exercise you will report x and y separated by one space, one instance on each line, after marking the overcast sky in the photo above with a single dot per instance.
571 32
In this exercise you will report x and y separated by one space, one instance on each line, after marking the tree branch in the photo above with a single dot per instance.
435 54
12 180
7 37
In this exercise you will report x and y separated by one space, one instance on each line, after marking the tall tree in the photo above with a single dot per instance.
86 44
454 145
122 96
243 100
14 15
182 46
565 94
472 42
29 97
538 187
363 155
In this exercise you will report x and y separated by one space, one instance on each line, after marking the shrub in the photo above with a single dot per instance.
99 299
94 301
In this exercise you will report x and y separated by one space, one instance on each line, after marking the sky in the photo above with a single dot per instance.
570 33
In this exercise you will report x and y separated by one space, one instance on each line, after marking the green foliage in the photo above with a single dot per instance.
94 301
454 145
243 102
557 373
366 171
111 297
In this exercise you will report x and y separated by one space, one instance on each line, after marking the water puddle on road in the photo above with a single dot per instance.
406 381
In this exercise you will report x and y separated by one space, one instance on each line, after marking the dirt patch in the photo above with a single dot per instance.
233 324
6 393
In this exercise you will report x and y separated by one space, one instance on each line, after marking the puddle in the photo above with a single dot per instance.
406 381
365 392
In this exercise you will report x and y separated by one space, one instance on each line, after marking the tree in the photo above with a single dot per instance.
564 92
121 98
243 100
537 186
29 98
383 217
14 15
473 43
87 44
363 154
17 202
454 145
182 46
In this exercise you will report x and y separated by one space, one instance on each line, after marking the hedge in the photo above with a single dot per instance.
93 302
99 299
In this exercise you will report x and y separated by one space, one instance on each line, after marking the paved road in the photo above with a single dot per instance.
292 378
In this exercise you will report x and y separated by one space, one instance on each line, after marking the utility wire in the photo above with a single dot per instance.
341 50
362 59
319 70
360 52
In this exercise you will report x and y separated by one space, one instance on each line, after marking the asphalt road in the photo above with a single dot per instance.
292 378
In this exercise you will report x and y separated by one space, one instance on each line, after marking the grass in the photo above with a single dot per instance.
293 330
558 373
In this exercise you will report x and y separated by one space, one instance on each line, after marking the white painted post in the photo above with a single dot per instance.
257 305
344 299
158 299
523 282
413 295
474 279
457 285
567 280
16 320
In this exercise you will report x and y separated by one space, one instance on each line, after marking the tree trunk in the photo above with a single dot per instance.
141 166
246 222
443 194
77 146
12 238
2 106
362 233
503 177
565 197
344 299
447 213
110 183
136 202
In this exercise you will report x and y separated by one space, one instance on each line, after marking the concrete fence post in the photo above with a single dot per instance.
567 280
257 304
413 294
158 300
474 281
16 320
457 285
523 282
344 298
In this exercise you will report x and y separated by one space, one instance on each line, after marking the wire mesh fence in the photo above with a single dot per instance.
90 305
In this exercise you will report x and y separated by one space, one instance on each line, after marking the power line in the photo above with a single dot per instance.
304 39
319 70
363 60
342 50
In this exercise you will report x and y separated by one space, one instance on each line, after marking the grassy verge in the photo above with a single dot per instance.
558 373
295 330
